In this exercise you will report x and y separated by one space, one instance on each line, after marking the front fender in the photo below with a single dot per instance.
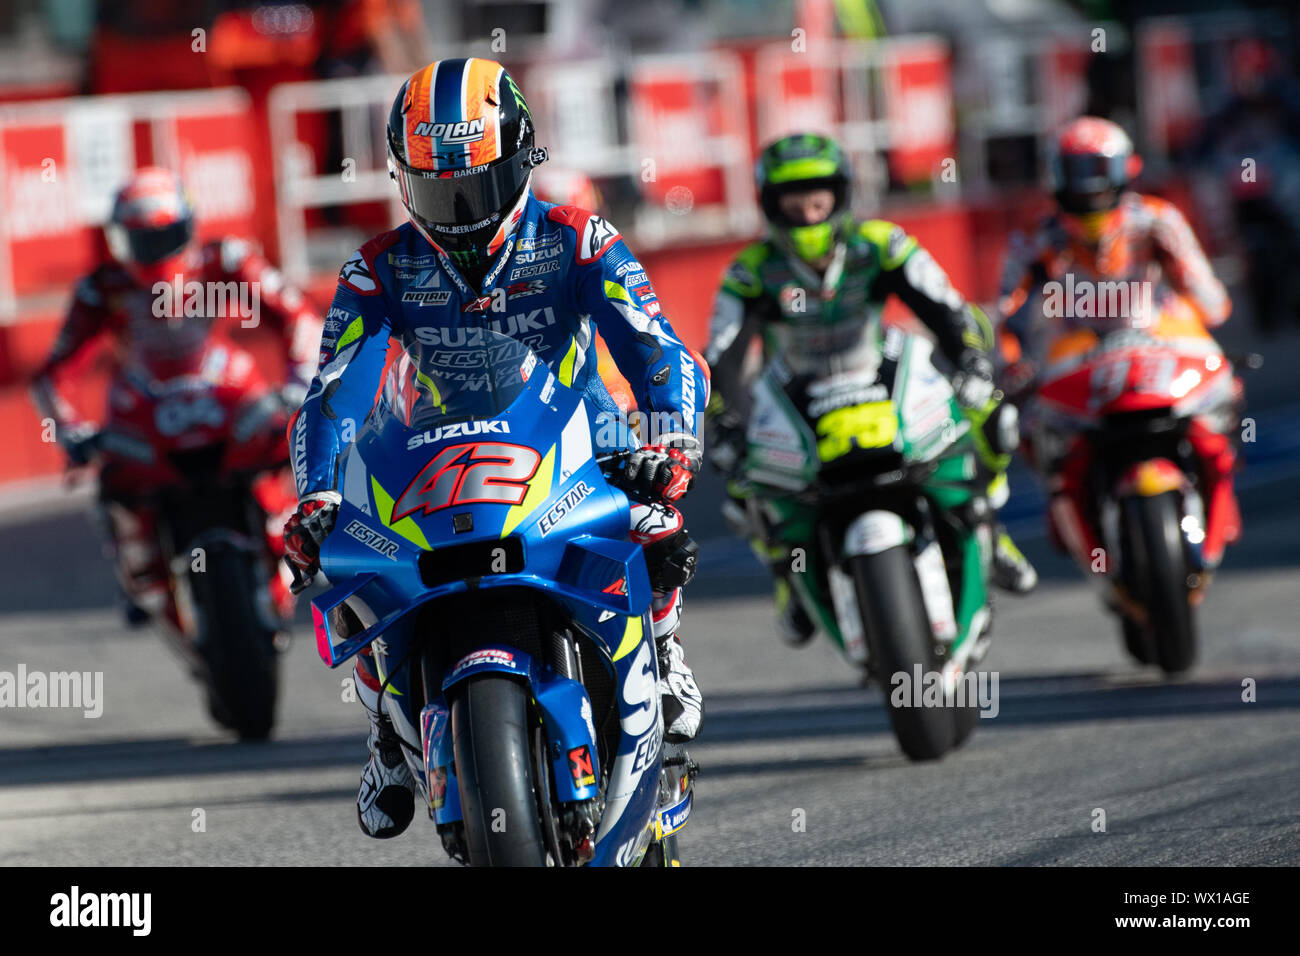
503 660
875 531
1149 478
565 709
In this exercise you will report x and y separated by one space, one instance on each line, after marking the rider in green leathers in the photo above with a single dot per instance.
814 286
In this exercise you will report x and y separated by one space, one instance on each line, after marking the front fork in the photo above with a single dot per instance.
959 619
561 702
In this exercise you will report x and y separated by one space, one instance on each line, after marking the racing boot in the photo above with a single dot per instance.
793 624
131 546
386 800
683 706
671 557
1011 569
995 436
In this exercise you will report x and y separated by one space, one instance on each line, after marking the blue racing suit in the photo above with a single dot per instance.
563 273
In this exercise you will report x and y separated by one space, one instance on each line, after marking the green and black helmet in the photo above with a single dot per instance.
799 163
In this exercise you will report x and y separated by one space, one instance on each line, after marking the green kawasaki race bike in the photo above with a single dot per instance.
861 471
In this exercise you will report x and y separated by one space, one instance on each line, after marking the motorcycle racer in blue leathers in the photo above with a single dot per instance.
479 250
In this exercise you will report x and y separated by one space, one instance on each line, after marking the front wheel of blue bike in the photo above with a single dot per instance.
494 767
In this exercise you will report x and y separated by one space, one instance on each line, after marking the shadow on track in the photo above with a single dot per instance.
731 718
174 757
1023 702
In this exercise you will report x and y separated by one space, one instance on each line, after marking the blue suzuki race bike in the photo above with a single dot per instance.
480 553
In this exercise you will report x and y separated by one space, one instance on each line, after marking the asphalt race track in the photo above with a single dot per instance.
799 765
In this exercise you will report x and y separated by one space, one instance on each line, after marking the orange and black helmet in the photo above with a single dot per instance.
460 146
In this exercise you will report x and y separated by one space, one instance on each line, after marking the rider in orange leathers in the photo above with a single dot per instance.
1102 232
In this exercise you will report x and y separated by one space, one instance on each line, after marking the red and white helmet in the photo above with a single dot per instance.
151 228
1093 162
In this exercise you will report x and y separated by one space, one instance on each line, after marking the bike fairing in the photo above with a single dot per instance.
598 579
561 272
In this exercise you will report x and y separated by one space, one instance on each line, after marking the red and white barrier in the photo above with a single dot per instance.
61 161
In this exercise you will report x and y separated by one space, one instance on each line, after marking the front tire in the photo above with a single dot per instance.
1135 640
494 767
964 721
243 666
1160 566
899 637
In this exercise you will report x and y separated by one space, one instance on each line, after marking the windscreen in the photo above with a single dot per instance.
469 373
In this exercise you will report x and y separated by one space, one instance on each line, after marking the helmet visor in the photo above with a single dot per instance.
149 245
1090 173
459 201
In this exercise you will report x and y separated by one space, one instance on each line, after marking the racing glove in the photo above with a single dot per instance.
665 471
79 443
973 383
308 527
1018 378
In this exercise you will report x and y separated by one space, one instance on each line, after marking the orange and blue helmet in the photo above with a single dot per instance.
460 146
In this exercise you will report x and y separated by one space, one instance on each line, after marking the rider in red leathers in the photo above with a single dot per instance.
136 299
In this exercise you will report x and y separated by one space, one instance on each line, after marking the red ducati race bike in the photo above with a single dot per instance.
1137 428
195 484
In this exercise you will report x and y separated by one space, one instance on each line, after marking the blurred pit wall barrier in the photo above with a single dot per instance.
62 160
679 132
674 136
888 102
676 133
672 128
